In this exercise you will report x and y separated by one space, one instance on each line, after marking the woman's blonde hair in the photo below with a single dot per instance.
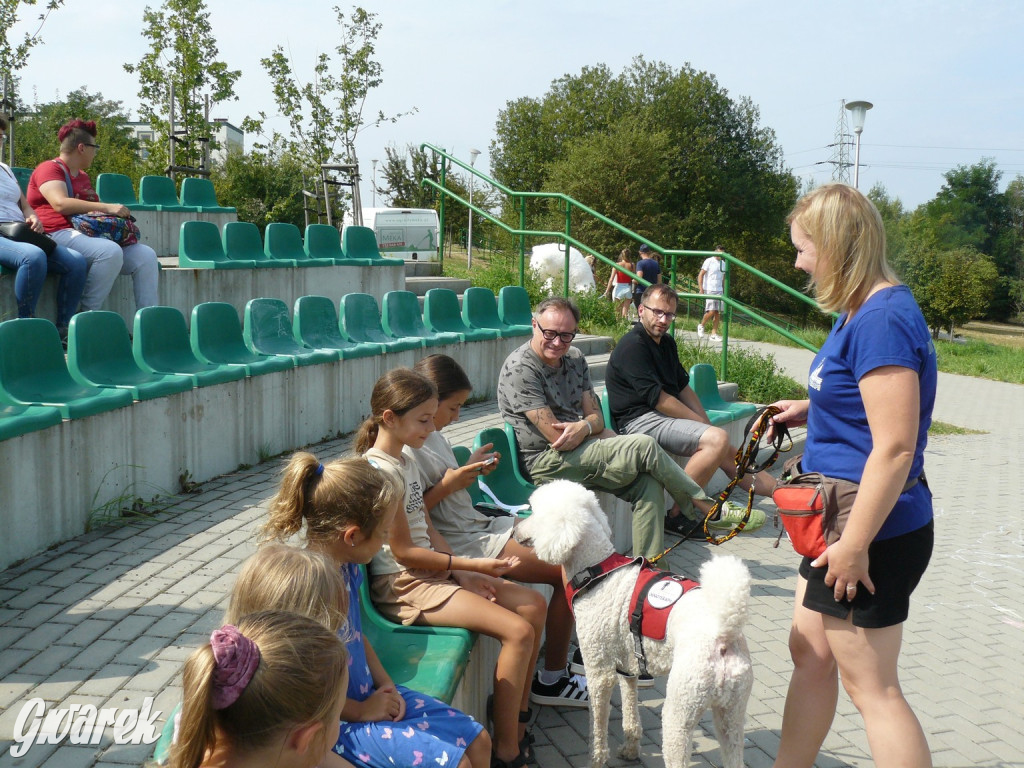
849 238
287 689
328 498
399 390
283 578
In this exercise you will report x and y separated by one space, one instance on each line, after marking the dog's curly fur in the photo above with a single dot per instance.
704 652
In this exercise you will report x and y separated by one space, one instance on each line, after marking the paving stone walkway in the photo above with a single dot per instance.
107 618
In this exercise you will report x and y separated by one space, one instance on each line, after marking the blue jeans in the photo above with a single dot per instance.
31 266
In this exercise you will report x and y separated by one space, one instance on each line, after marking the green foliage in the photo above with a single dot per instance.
14 55
758 376
702 169
36 136
981 359
183 52
265 186
326 113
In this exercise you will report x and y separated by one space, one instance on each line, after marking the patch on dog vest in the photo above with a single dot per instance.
654 595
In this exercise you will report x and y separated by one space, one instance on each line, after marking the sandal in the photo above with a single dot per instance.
517 762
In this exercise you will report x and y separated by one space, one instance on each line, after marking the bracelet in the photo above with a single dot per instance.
590 429
449 559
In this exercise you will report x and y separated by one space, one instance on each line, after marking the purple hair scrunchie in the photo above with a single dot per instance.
236 658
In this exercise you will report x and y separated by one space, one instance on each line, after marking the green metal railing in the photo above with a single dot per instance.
670 256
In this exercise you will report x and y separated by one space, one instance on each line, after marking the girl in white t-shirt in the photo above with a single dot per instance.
418 579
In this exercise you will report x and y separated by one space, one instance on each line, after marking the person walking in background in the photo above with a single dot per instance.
872 388
647 268
711 282
619 285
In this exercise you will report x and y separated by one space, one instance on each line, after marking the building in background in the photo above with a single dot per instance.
227 138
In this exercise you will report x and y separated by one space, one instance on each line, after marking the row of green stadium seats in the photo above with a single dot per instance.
106 369
159 193
239 246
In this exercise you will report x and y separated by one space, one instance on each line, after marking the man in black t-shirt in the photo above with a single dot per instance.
649 393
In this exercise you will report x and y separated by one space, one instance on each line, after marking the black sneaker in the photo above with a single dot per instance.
569 691
576 663
643 681
683 527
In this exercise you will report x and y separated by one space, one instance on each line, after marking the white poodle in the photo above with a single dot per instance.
704 652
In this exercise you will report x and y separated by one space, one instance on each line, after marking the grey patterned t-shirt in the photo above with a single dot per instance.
526 383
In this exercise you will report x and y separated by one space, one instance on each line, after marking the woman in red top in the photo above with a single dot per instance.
620 285
49 194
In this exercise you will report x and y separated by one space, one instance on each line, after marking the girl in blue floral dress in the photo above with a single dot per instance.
346 508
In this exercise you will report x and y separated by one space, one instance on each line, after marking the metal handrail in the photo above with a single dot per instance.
567 239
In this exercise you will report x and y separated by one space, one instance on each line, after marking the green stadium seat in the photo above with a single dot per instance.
431 660
505 486
200 193
480 310
200 247
401 319
33 372
22 175
323 242
216 337
704 382
315 324
267 330
462 454
606 412
283 241
514 306
100 355
441 314
161 345
242 242
361 243
17 420
160 192
117 188
360 320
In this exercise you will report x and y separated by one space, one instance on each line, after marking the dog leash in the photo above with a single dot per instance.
746 462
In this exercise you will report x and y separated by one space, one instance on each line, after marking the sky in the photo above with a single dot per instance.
946 78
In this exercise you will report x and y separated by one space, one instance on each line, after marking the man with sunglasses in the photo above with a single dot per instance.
649 394
545 393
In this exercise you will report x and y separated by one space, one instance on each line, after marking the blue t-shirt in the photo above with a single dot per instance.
649 270
889 329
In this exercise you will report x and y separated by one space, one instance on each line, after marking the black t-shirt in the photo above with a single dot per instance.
638 370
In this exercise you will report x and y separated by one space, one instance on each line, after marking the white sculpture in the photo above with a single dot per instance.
547 262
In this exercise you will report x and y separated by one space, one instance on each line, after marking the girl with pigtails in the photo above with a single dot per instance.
345 509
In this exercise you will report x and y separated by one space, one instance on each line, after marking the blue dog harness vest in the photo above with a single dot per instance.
655 593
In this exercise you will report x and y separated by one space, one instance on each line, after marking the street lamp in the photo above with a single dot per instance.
858 110
473 154
373 182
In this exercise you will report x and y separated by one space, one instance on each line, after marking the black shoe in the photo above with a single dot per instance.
576 663
683 527
570 691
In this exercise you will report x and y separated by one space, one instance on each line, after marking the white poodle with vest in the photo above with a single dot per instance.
703 651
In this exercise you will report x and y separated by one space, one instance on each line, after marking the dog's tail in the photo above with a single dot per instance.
725 582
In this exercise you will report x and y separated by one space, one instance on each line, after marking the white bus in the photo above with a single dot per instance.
404 233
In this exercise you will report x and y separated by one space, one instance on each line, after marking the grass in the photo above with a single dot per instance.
942 428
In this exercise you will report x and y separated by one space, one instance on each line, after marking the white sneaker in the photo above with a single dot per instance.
715 337
700 331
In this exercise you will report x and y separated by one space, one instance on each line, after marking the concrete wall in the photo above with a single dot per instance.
55 479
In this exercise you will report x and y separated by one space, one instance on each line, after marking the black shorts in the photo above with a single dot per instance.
895 566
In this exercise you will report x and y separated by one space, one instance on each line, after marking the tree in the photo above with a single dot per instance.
37 133
961 288
265 186
719 175
326 114
183 53
14 56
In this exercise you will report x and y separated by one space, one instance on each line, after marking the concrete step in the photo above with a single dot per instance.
592 345
422 269
598 364
420 285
